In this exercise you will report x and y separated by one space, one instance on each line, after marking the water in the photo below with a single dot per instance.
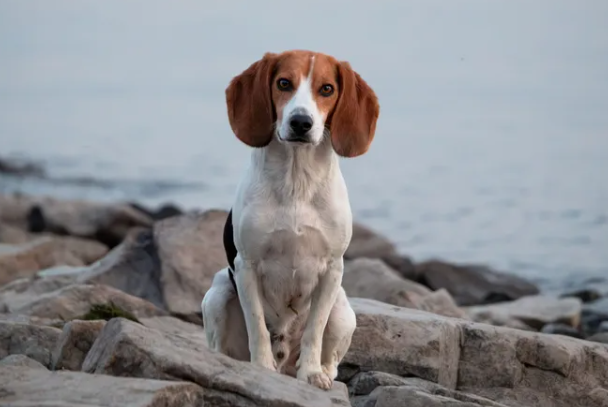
492 145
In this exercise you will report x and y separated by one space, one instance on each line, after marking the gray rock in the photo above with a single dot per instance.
535 311
74 343
601 337
172 325
504 365
23 291
372 278
473 284
416 397
172 266
33 341
76 300
124 348
27 259
562 329
27 387
21 360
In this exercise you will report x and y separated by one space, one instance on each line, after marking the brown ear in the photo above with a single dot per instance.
249 101
353 122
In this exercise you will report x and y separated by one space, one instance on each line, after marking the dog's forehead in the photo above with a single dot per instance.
301 63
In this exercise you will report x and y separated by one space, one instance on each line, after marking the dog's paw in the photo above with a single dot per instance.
317 378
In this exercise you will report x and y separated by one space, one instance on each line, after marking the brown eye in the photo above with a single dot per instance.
327 90
283 84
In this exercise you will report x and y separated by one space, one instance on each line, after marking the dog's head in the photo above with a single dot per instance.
302 97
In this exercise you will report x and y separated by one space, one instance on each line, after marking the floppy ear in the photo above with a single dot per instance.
353 123
248 98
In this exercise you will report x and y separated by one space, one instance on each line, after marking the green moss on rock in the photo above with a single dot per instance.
107 312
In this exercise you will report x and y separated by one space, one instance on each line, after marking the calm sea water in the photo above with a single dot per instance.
492 145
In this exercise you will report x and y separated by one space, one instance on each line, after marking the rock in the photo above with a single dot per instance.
372 278
36 342
124 348
411 396
172 267
603 327
108 224
21 360
29 387
173 325
74 344
601 337
368 243
420 392
504 365
164 212
439 302
402 341
18 293
562 329
20 168
13 235
535 311
76 300
473 284
585 294
598 307
27 259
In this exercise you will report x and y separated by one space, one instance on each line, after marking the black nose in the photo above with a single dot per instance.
300 124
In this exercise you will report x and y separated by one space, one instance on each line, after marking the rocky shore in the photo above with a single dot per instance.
100 306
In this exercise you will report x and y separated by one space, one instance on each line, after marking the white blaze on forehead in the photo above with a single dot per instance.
303 101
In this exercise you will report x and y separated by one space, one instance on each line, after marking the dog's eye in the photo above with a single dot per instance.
283 84
327 90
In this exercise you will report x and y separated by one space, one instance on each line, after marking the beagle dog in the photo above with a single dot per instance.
280 303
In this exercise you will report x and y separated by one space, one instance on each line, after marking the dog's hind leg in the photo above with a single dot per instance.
223 319
337 335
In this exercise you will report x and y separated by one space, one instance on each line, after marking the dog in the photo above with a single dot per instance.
280 303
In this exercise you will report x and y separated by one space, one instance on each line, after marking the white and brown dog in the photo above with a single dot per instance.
280 303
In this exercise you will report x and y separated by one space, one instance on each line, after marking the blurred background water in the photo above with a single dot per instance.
492 143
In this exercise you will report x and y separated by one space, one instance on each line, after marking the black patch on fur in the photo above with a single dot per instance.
280 355
229 247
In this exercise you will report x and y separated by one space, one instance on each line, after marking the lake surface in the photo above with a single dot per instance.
492 144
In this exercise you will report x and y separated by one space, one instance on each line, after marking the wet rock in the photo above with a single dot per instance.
25 386
172 266
27 259
507 366
124 348
74 343
473 284
372 278
77 300
562 329
22 361
535 311
33 341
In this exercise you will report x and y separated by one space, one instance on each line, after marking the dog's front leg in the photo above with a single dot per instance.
249 297
323 299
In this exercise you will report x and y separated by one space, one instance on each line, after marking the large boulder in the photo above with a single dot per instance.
368 243
77 300
535 311
504 365
26 260
171 266
372 278
36 342
30 387
473 284
108 223
124 348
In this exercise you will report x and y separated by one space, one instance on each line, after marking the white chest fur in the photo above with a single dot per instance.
292 219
